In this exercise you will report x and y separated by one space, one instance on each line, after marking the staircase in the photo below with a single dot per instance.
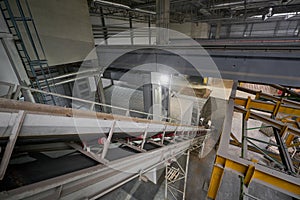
29 47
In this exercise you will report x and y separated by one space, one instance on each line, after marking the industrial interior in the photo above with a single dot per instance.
150 99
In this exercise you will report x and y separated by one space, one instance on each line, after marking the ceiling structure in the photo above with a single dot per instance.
202 10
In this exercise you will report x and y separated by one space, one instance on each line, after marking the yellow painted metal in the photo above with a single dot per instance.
205 80
290 122
277 107
247 115
241 169
217 175
289 139
257 95
277 182
249 173
248 103
260 94
267 106
250 170
215 182
294 145
283 130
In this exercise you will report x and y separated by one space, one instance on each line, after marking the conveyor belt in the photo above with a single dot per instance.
131 147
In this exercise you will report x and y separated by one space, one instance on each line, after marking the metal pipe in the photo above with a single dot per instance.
70 74
118 5
240 3
66 81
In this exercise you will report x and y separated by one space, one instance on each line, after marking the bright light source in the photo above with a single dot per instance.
286 15
164 79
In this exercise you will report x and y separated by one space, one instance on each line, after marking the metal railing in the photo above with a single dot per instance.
27 40
15 90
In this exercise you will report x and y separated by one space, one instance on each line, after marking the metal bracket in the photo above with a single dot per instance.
163 135
155 143
144 137
88 154
134 147
173 140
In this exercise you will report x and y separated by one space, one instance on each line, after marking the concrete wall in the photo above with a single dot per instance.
200 30
185 28
7 73
11 67
64 28
194 30
123 26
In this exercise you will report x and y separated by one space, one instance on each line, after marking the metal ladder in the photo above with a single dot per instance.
34 65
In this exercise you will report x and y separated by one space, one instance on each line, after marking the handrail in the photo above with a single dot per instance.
20 87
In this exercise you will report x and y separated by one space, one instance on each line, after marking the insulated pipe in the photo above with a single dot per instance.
118 5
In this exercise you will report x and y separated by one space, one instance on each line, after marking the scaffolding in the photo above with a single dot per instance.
176 178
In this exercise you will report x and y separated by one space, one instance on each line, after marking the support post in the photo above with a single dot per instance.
131 30
174 174
144 137
244 137
147 96
218 30
163 135
186 173
215 181
162 21
166 182
100 92
107 142
175 133
105 35
11 143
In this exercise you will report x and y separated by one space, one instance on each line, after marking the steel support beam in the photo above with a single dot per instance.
268 106
243 65
252 172
285 182
94 182
255 150
162 21
100 92
284 154
261 95
267 120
